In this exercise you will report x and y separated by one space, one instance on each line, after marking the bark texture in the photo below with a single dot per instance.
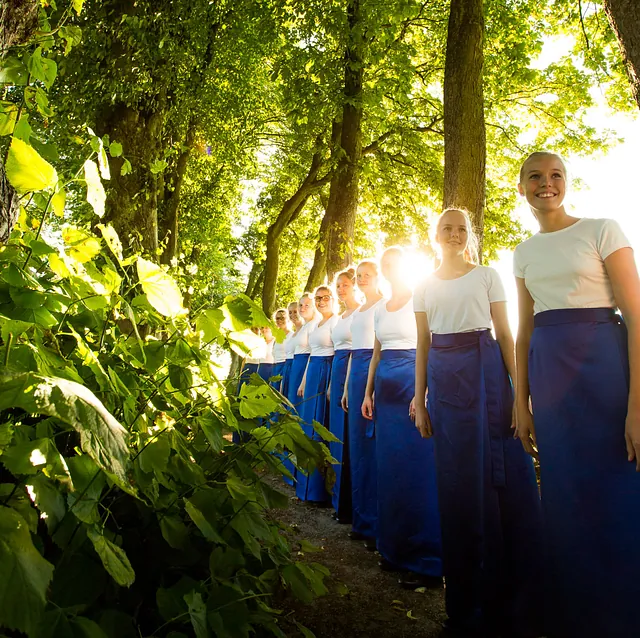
624 16
464 126
344 190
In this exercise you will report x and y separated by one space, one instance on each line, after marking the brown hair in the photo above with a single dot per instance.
349 273
471 251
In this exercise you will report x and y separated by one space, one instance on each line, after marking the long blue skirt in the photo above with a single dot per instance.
265 371
579 383
294 378
341 493
408 518
284 385
247 370
278 371
315 408
362 449
489 503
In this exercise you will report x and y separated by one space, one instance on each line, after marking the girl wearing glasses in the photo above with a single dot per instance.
579 373
314 391
362 443
488 498
341 338
408 520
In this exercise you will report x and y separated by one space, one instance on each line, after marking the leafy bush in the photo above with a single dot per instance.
125 510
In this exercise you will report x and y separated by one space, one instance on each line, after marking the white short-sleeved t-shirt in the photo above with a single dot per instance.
341 333
268 353
462 304
320 339
280 350
301 338
362 331
396 330
565 269
290 345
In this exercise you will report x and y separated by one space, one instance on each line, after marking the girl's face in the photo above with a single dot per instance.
544 183
324 302
453 234
281 320
306 308
367 278
344 288
294 317
391 265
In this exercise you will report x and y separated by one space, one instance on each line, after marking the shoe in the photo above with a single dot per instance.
387 566
370 544
356 536
411 580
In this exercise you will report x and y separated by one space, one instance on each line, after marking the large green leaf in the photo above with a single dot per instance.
113 558
95 191
26 170
101 436
161 290
198 614
24 575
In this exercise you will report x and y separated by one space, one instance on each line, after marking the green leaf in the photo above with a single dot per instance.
197 613
115 149
161 290
113 558
58 201
202 508
26 170
27 298
224 562
324 432
77 5
306 633
126 167
256 400
297 583
181 378
95 191
24 575
110 236
43 69
19 500
8 117
157 166
89 481
81 244
32 456
86 628
208 322
101 436
174 531
48 500
13 71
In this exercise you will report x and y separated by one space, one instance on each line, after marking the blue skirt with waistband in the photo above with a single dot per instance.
408 519
489 503
341 493
579 384
247 370
284 386
294 378
362 449
315 407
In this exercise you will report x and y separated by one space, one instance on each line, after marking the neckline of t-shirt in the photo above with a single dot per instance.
391 312
326 321
561 230
476 267
359 310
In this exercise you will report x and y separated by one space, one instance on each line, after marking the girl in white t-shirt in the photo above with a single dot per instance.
313 390
280 348
409 538
488 498
345 287
573 355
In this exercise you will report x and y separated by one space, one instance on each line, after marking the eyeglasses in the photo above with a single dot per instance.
325 298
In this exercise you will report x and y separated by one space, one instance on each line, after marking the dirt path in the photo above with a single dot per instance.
375 606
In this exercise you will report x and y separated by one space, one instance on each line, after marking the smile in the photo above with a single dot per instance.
546 195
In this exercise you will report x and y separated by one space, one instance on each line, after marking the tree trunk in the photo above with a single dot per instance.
318 270
343 194
464 127
18 21
624 16
289 212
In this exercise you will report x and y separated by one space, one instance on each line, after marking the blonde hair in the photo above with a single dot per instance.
537 154
323 287
349 273
471 251
369 262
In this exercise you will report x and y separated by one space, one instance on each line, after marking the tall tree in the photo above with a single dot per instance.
624 16
464 125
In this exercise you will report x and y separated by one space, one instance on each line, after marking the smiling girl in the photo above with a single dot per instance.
578 370
313 389
488 498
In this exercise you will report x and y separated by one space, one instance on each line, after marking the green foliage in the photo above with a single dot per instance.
125 509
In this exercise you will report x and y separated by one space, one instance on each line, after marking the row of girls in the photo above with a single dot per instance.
434 467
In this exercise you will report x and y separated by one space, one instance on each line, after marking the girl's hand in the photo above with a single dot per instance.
367 407
345 402
632 437
412 409
301 389
423 421
525 430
